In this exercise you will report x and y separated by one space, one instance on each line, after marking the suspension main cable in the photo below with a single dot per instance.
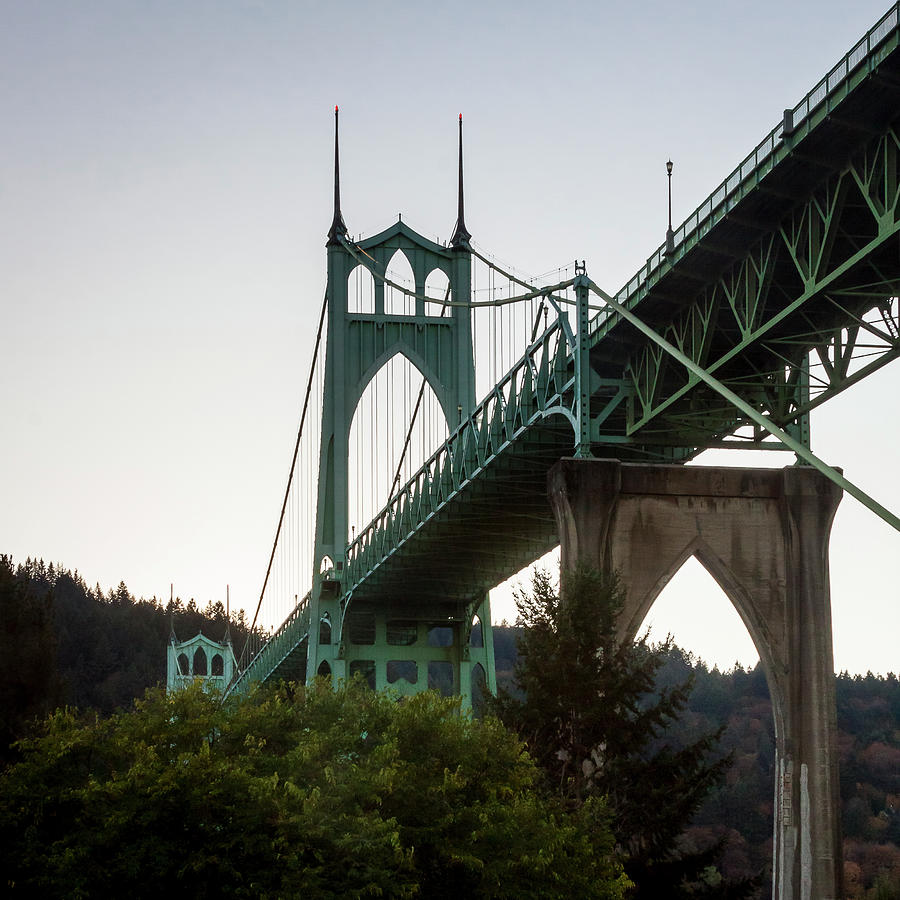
535 292
547 291
312 370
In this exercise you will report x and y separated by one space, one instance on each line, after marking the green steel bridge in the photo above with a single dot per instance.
777 293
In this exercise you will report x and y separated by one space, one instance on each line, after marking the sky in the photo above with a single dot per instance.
165 192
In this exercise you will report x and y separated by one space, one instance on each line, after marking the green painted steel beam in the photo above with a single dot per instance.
746 299
582 367
803 452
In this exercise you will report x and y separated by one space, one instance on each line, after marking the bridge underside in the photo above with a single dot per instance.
495 524
790 275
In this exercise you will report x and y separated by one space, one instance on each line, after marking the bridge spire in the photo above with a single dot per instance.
460 234
338 228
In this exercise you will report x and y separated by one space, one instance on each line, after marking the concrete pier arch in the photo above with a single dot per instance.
763 535
693 609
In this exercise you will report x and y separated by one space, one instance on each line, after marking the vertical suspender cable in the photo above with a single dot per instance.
412 422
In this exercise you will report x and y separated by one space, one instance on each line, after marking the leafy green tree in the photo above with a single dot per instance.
595 720
296 791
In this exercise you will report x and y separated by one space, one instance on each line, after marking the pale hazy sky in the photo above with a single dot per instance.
165 190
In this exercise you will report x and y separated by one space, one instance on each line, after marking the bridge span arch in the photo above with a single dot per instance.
730 590
398 422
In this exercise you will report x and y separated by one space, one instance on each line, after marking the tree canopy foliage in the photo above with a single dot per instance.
63 642
292 792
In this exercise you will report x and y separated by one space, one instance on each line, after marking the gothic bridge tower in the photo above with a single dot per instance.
391 642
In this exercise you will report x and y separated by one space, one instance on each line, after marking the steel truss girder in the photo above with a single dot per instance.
803 452
286 647
846 355
818 283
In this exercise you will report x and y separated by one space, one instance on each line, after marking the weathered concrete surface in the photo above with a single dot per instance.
763 535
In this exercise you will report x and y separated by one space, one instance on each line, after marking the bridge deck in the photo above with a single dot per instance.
858 97
495 520
782 260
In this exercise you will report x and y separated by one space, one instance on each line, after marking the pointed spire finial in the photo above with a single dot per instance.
172 637
227 638
338 228
460 234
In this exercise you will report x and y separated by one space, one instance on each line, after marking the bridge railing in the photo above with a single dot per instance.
276 649
818 102
540 383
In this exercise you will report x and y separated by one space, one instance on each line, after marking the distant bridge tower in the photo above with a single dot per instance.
389 640
200 658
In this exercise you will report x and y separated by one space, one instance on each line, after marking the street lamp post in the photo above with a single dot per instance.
670 235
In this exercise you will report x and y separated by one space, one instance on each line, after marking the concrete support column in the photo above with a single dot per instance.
338 670
487 635
810 827
465 678
763 535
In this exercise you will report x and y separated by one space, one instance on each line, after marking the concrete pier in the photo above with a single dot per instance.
763 535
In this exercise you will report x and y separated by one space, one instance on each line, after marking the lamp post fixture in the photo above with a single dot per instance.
670 235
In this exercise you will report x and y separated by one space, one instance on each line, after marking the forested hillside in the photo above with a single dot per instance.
62 642
741 810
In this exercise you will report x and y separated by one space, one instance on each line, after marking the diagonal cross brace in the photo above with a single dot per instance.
803 452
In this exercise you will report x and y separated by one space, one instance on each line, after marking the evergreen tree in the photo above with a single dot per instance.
594 720
63 642
29 683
